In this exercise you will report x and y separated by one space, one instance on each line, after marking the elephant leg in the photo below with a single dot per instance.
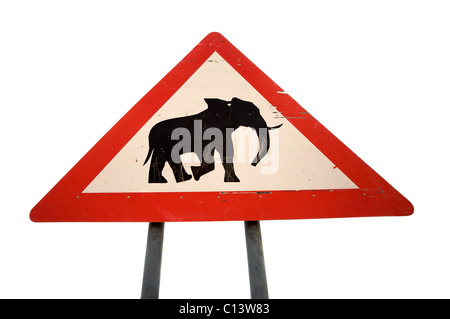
199 171
230 175
156 167
178 170
227 156
206 166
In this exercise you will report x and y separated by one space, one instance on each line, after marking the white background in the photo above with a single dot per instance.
375 73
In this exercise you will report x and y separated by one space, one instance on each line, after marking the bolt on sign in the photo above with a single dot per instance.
216 139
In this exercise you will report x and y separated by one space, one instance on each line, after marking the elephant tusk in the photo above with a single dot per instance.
275 127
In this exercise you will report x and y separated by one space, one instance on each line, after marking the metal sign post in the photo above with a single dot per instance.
153 258
255 257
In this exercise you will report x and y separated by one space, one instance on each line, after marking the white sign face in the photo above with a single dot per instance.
292 161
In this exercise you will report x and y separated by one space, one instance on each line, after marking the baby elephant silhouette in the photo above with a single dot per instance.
219 120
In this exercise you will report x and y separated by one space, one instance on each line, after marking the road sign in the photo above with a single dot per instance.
216 139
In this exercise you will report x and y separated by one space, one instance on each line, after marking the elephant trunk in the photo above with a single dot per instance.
263 141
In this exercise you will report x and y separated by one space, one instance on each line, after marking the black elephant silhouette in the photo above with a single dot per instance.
219 120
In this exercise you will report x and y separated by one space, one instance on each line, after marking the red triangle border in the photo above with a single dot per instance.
65 202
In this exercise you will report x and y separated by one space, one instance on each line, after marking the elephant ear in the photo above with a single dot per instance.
236 100
216 104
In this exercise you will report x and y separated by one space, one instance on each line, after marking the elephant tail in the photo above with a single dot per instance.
150 150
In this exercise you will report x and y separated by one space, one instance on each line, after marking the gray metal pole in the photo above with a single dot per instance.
153 258
255 256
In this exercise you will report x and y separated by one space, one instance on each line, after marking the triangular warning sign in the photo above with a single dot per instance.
216 139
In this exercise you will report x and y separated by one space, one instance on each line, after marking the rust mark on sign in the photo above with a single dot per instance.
289 117
238 192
